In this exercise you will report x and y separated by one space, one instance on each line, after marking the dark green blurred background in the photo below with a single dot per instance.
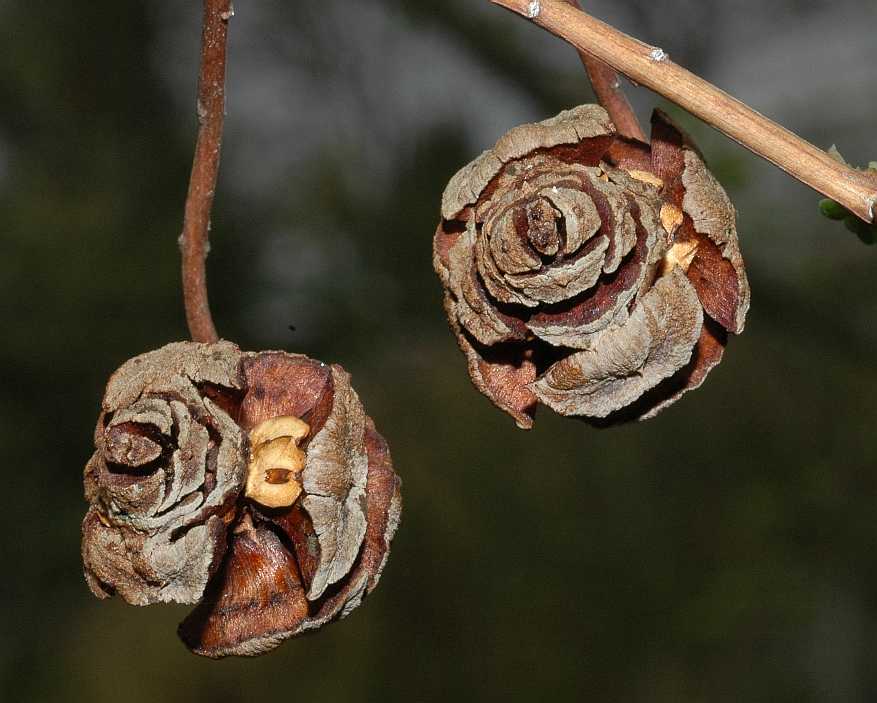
724 551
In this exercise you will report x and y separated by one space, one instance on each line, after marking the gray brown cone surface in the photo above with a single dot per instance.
591 273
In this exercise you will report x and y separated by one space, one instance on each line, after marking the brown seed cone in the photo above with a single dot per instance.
173 516
591 273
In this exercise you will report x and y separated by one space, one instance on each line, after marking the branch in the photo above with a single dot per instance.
205 167
607 87
650 66
610 94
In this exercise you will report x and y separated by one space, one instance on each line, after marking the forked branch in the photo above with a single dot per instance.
205 168
650 66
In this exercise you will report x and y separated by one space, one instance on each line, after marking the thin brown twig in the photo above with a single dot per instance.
650 66
610 94
205 168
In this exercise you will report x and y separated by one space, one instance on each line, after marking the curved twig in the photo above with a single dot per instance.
650 66
610 94
205 168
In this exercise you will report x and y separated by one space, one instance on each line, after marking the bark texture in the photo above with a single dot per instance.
592 273
170 518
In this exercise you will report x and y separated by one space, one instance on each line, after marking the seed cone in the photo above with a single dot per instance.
591 273
177 494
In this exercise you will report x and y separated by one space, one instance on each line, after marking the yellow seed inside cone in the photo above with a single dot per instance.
671 217
681 254
276 462
646 177
275 427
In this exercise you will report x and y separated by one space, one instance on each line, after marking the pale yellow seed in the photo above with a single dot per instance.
671 217
276 462
281 426
681 254
646 177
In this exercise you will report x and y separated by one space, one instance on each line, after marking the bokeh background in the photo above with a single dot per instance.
725 551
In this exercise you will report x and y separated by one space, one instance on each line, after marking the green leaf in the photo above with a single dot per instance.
866 232
833 210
